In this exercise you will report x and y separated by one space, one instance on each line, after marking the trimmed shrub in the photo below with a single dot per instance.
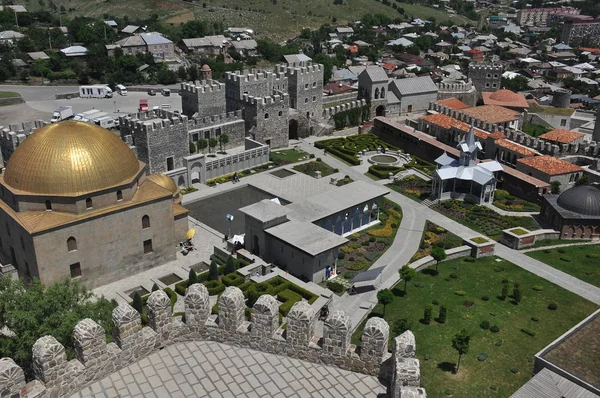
494 329
229 265
288 297
565 259
435 302
561 250
504 291
336 287
485 325
485 298
469 260
528 332
517 296
442 315
427 315
180 288
553 306
535 319
215 309
248 313
341 255
482 357
192 277
213 273
514 370
499 342
172 295
453 276
538 288
460 293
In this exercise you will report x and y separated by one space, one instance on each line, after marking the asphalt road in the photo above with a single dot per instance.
40 103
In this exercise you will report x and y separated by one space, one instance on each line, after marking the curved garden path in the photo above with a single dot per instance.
407 242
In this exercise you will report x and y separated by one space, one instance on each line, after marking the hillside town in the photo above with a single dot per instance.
396 206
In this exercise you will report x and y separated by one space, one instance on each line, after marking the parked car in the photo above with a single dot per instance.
166 92
152 92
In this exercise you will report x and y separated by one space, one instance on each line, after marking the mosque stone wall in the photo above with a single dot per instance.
95 359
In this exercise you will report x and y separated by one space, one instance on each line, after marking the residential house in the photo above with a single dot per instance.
132 29
8 37
247 48
211 45
344 31
549 169
74 51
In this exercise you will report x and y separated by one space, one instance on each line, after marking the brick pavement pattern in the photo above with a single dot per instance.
209 369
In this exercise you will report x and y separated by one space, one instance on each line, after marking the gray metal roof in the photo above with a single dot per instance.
206 41
376 74
548 384
155 38
415 85
306 236
130 29
296 58
244 44
582 199
265 210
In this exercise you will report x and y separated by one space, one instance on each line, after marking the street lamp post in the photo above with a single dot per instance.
229 218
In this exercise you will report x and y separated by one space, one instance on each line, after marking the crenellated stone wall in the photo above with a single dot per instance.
13 135
95 359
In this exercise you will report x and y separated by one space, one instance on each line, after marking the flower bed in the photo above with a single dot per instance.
412 186
435 236
505 201
483 219
365 247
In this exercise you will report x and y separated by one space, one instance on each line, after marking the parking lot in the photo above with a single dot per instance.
40 102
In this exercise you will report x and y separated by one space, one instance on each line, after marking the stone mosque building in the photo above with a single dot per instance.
75 202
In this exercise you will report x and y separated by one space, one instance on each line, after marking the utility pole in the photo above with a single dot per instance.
50 38
16 18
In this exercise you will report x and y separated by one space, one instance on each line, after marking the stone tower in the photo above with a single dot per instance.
561 98
205 72
486 77
306 94
254 83
203 98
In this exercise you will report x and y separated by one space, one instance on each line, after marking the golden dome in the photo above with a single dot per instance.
70 158
166 182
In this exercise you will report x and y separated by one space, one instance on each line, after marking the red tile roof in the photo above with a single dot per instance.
505 98
513 146
550 165
453 103
390 67
561 136
336 88
353 49
492 113
448 122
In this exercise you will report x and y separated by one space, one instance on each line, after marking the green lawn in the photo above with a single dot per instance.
317 165
552 242
8 94
287 156
483 219
509 348
505 201
583 262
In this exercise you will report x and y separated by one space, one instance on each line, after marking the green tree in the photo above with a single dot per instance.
584 180
182 73
138 303
202 144
385 297
223 141
213 271
460 342
438 254
555 187
192 277
407 273
442 315
230 265
192 72
517 295
192 148
212 143
400 326
504 292
427 315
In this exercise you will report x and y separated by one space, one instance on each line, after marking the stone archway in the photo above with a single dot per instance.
293 129
380 110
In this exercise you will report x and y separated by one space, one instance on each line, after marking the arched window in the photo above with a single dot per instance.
383 93
280 113
119 195
71 244
48 205
377 93
88 203
145 222
266 115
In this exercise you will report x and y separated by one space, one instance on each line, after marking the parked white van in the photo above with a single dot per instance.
121 89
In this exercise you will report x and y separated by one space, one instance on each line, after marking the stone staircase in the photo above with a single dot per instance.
430 202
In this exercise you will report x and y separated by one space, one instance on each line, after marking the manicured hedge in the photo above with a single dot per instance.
383 171
233 279
288 297
336 287
215 287
172 295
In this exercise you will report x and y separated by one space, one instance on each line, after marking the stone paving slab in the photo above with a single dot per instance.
209 369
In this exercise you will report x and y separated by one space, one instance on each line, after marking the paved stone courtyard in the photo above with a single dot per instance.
209 369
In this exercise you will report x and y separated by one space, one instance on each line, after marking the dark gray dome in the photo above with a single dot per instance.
582 199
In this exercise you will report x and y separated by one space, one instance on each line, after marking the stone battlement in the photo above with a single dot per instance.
329 112
308 68
208 121
95 359
254 75
204 86
13 135
151 121
275 99
455 86
485 67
